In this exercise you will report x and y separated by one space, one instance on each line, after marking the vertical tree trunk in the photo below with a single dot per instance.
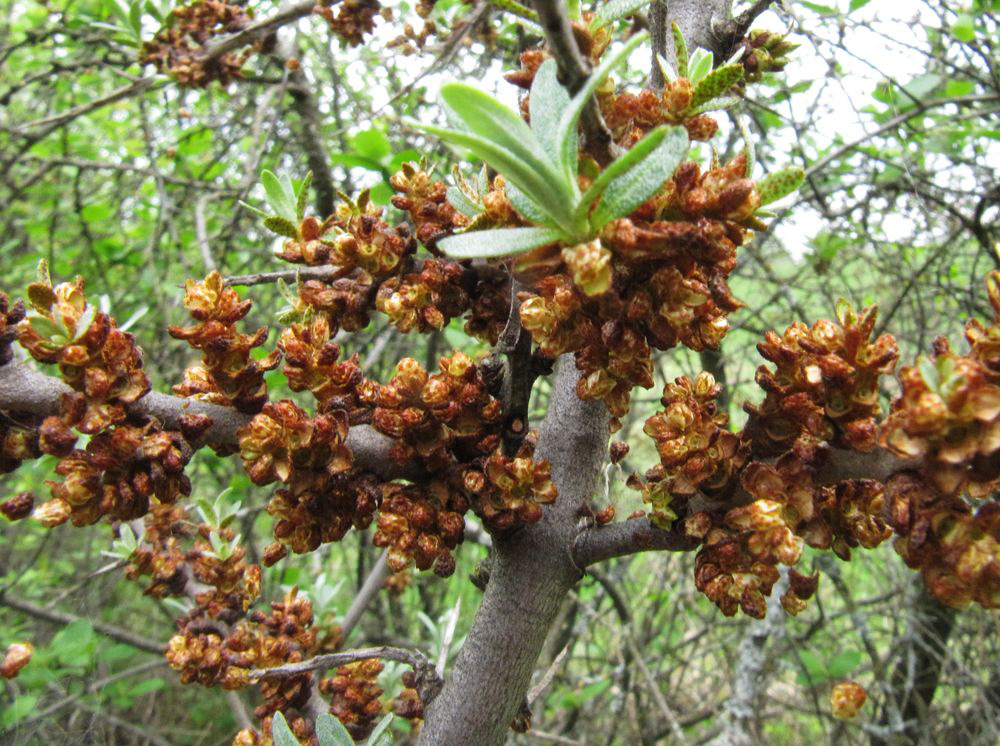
531 574
533 570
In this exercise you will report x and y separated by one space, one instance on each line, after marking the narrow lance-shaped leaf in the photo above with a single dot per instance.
619 166
483 115
281 733
699 65
497 242
630 189
303 194
379 736
461 203
330 731
555 203
614 10
547 102
715 84
780 184
281 202
567 124
277 224
525 206
680 50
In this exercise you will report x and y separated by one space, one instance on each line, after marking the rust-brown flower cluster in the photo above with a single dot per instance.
824 387
10 315
667 286
420 527
312 364
228 374
179 49
955 547
161 556
508 492
354 696
948 416
696 450
323 496
426 202
737 565
353 19
95 358
426 300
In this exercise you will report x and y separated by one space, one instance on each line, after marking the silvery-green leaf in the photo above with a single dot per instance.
254 210
525 206
281 733
458 200
300 202
680 50
629 190
83 323
483 115
547 102
619 166
548 192
614 10
497 242
281 202
715 84
780 184
716 104
699 65
569 119
748 144
331 732
666 68
282 227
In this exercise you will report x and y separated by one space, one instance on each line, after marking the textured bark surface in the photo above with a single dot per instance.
532 572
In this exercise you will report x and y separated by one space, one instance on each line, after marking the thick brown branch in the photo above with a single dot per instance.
414 658
628 537
258 30
24 389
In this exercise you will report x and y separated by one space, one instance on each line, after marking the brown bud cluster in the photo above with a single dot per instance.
490 307
95 358
10 315
420 528
984 341
508 493
17 442
437 418
233 584
846 699
18 656
849 514
948 416
764 52
696 451
427 203
737 564
426 300
179 49
311 364
323 496
630 116
354 18
160 555
824 386
956 549
228 374
118 472
354 696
